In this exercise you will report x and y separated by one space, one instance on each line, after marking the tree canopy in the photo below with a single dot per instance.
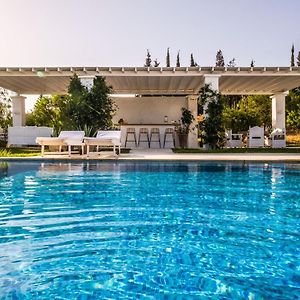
148 60
192 64
156 63
292 56
211 128
220 59
232 63
5 109
80 109
49 111
293 109
178 60
168 63
248 111
90 108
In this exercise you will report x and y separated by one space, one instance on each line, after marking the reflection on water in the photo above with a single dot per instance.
154 230
12 168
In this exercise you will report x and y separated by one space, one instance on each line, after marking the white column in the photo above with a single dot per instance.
192 105
87 81
213 81
278 110
18 110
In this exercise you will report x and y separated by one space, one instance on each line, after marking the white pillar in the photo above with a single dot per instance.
87 81
192 105
213 81
18 110
278 110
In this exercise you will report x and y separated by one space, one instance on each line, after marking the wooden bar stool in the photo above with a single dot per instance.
130 132
145 132
153 132
168 132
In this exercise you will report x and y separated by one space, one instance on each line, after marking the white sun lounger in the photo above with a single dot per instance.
105 138
65 138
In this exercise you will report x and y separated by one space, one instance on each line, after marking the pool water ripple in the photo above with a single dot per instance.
150 231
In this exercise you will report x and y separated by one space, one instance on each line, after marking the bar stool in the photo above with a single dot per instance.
155 131
144 131
130 131
169 131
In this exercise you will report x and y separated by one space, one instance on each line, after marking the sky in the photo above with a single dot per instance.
119 32
38 33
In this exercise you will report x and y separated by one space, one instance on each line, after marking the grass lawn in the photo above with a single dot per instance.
238 150
30 151
19 152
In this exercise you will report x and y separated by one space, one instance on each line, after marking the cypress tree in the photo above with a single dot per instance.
231 63
148 59
252 63
298 59
220 59
192 64
178 60
168 58
292 56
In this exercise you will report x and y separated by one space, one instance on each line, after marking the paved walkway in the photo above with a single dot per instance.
167 154
162 154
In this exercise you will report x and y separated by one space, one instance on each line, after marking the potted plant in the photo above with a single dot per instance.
183 128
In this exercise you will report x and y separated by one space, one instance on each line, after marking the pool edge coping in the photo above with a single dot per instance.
154 159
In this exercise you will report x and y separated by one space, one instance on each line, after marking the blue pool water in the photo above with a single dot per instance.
149 231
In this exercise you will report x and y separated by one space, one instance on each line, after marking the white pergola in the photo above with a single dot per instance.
141 80
183 81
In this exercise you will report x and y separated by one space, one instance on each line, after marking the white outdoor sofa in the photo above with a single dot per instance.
256 137
278 138
109 138
65 138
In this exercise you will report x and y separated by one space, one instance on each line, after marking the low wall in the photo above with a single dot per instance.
26 135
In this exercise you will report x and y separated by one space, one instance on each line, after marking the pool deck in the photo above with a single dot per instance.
165 155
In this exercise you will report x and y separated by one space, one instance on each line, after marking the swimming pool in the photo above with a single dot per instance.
149 231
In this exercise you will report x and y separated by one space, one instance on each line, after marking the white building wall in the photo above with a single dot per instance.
149 110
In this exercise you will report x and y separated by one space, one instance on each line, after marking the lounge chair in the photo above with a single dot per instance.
278 138
256 137
233 140
104 138
65 138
